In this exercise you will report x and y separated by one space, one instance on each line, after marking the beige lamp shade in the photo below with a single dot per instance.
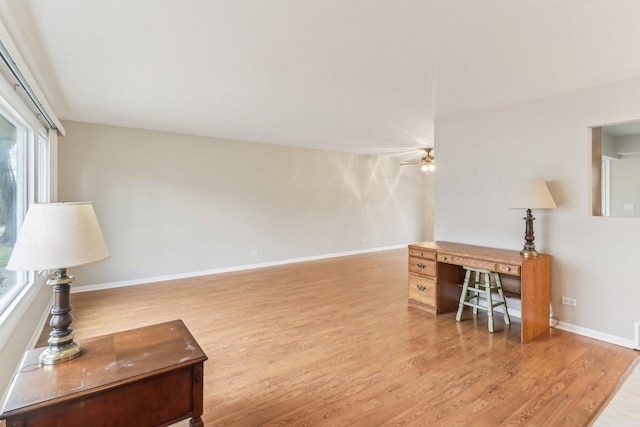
532 194
58 235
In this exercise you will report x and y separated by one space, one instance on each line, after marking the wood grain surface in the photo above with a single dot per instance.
333 342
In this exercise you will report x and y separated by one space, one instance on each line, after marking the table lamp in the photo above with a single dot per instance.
531 194
56 236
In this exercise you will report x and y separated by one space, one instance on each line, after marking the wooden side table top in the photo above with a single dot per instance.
107 361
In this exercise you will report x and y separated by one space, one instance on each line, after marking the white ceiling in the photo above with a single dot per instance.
354 75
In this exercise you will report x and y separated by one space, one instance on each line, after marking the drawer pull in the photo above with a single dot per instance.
421 266
444 258
420 288
421 254
507 268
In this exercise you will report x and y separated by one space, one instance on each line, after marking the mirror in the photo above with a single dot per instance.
615 170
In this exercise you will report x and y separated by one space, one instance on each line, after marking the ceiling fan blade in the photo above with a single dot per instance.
416 162
394 151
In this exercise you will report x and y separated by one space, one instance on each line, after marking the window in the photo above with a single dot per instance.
28 143
13 197
24 179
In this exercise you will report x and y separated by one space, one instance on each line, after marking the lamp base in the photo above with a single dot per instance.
529 252
61 345
52 355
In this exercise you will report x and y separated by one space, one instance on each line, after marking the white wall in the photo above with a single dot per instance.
174 204
482 156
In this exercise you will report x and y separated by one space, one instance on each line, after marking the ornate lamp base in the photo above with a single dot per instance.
51 356
529 250
61 345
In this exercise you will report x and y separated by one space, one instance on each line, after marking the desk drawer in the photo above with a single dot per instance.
422 253
513 270
422 290
422 266
469 262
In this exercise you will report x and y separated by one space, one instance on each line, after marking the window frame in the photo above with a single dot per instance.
36 176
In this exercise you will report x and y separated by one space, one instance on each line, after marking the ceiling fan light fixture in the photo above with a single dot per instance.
426 162
428 167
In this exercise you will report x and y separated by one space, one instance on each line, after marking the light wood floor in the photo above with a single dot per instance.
332 342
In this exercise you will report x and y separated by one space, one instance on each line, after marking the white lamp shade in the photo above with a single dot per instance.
532 194
58 235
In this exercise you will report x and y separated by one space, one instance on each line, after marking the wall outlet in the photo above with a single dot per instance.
628 206
569 301
254 252
636 334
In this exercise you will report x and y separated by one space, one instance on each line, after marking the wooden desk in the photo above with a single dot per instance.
435 271
143 377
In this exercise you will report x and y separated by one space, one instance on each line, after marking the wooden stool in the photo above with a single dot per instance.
471 296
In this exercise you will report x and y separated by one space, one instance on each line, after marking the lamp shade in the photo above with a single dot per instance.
532 194
58 235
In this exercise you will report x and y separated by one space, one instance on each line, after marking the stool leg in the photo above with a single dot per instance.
507 319
487 281
463 296
476 281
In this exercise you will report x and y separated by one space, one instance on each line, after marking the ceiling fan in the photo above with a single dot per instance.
427 162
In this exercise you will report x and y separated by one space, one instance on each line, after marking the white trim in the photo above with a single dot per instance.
112 285
590 333
32 342
14 312
606 186
18 107
22 68
10 317
53 166
513 312
578 330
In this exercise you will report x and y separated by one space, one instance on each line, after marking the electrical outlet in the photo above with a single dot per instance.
569 301
254 252
636 334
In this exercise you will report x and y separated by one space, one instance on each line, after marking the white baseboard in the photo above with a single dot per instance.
578 330
112 285
595 335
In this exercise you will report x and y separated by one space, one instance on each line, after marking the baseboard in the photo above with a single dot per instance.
578 330
112 285
590 333
513 312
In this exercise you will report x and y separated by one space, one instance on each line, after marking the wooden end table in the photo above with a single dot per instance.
150 376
